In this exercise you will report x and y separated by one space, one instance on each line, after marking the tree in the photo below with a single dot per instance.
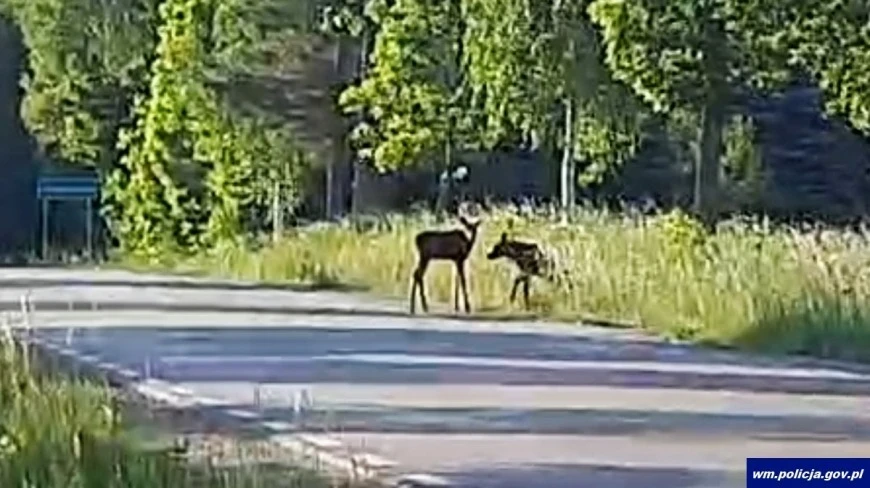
255 159
831 40
194 170
86 58
154 202
690 56
535 67
410 100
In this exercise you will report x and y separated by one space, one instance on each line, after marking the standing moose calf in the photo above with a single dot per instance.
446 245
531 260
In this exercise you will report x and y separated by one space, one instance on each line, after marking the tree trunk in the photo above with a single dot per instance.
713 113
566 174
336 140
355 163
706 202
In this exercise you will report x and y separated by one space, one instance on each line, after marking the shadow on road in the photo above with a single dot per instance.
300 354
560 422
201 284
297 354
579 421
296 309
181 284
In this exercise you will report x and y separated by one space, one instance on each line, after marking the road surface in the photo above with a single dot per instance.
471 403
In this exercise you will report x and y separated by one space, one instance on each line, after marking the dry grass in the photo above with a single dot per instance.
779 290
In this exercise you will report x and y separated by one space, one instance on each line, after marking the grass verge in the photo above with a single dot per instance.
57 432
748 284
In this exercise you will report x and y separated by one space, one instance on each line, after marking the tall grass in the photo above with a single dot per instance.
62 433
748 284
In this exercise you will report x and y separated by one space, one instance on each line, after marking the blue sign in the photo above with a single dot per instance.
62 187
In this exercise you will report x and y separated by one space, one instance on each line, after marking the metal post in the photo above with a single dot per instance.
44 229
89 228
565 175
277 217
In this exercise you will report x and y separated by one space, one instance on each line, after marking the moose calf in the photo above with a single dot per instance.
446 245
531 260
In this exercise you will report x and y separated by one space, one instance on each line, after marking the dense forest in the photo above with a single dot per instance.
207 120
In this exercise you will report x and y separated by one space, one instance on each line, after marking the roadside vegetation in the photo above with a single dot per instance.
774 289
195 116
58 432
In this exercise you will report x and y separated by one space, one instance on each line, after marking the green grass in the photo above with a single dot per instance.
57 432
777 290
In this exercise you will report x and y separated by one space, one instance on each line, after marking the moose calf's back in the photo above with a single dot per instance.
447 244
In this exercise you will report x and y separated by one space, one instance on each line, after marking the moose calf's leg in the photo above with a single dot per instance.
514 288
456 292
526 283
413 296
422 287
460 269
419 275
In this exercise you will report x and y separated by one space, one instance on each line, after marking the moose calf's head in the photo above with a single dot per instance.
501 248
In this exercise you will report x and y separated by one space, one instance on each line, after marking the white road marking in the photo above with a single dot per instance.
422 479
278 426
238 412
323 442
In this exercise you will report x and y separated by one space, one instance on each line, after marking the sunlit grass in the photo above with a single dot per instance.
57 432
748 284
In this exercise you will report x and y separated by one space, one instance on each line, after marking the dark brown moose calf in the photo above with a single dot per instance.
446 245
531 260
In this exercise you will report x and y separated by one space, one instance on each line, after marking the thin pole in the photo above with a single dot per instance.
45 229
89 228
276 211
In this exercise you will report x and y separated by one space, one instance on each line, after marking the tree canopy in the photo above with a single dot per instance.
86 58
410 97
142 90
691 56
831 41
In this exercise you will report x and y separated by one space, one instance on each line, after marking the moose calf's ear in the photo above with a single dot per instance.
503 236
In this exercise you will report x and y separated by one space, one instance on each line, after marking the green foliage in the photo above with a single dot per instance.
411 92
85 59
181 168
187 167
153 208
252 158
690 56
678 53
195 172
258 36
742 162
58 431
683 235
247 162
831 40
525 58
344 17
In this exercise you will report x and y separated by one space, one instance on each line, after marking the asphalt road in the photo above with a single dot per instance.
473 403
